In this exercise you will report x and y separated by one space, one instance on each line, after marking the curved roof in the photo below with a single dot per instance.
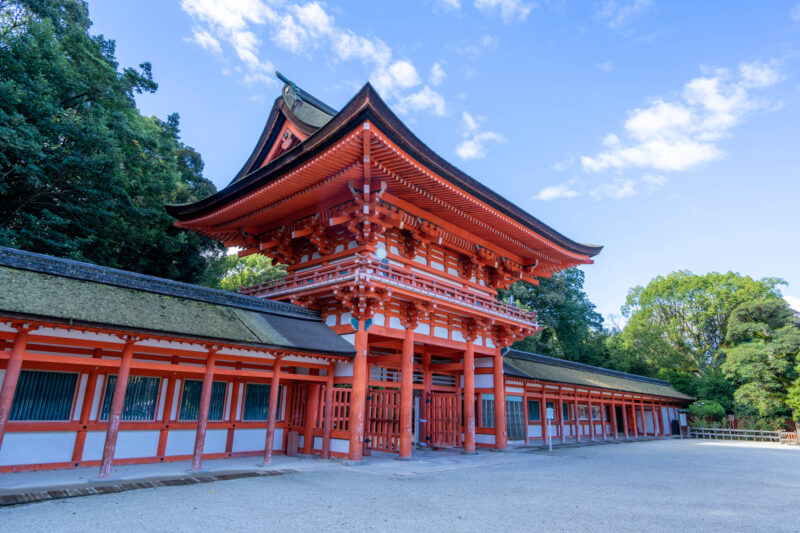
365 105
528 365
45 287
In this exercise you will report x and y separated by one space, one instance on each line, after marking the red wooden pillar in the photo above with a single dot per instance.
427 385
234 407
115 413
543 415
272 416
561 415
591 417
12 376
312 413
641 411
358 396
500 438
469 395
202 415
603 418
406 391
327 414
575 417
86 410
614 424
625 419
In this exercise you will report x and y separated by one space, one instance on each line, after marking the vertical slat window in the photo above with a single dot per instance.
140 398
190 400
256 402
533 411
515 418
487 410
565 410
43 396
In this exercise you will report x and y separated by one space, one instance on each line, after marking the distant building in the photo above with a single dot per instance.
385 335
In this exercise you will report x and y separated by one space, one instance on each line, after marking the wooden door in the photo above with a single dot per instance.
383 420
444 420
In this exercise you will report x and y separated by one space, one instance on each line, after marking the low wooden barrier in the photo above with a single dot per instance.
788 437
736 434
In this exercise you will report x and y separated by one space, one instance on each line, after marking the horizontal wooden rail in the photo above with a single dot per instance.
783 437
365 268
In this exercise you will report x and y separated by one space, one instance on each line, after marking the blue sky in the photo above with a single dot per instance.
667 131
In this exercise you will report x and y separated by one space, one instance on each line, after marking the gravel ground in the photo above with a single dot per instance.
648 486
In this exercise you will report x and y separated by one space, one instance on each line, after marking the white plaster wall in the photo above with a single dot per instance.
98 393
33 447
181 442
81 393
379 319
136 443
534 431
343 369
345 318
423 329
340 445
2 376
317 443
483 362
457 336
484 381
516 390
683 420
330 320
93 446
648 418
440 332
481 438
253 439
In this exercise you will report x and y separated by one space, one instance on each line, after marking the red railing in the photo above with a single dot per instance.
365 268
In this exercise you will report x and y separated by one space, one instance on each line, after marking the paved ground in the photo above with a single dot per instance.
647 486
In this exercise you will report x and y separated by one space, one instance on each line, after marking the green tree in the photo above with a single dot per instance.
231 272
762 349
83 174
571 328
680 321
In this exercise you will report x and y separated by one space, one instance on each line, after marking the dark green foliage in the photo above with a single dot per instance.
762 360
707 409
231 272
82 173
572 329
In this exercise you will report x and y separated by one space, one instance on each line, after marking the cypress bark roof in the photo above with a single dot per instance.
540 367
41 286
365 105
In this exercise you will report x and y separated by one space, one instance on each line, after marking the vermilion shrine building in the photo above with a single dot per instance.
386 334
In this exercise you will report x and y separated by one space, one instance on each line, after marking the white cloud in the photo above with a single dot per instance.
794 13
680 134
450 5
793 301
509 9
617 189
475 147
487 41
469 123
425 99
653 181
606 66
303 28
437 75
619 15
205 40
553 192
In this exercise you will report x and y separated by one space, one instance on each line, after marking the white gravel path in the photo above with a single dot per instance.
675 485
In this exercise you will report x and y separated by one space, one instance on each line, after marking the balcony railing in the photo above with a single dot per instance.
368 269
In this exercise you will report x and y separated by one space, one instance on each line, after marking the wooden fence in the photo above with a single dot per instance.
782 437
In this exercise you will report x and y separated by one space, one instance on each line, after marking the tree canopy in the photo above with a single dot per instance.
83 174
231 272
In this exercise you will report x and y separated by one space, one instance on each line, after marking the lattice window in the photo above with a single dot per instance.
534 415
256 401
487 410
141 396
190 400
43 395
515 418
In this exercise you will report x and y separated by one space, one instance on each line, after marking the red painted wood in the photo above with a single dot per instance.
202 416
358 397
499 403
11 377
328 413
115 411
274 391
406 392
469 396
